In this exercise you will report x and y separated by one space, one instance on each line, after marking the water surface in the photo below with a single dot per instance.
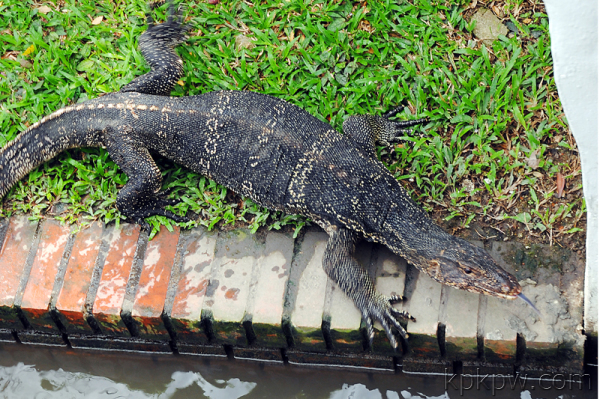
28 371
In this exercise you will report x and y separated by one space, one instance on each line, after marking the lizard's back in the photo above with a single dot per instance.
267 149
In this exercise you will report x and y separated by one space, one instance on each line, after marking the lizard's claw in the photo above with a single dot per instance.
396 131
153 206
400 128
380 309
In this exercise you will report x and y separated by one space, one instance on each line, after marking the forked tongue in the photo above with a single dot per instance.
523 297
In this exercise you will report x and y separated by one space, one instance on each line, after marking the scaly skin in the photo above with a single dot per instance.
273 152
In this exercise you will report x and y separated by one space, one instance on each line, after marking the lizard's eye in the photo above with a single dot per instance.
467 270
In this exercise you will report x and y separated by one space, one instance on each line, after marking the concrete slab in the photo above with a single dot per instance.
197 255
153 284
70 305
306 293
461 325
225 303
201 350
113 343
35 305
390 273
258 354
424 305
18 242
7 336
500 340
552 278
106 308
38 338
268 288
424 365
345 361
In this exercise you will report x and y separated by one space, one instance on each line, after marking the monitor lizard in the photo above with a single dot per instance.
273 152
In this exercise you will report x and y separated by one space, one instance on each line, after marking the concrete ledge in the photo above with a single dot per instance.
265 297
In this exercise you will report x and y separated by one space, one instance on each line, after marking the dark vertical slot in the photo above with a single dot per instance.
441 338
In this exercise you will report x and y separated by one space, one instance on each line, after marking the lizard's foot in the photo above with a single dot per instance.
142 209
397 129
381 310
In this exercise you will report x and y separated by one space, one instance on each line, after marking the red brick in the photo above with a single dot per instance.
154 282
16 246
115 274
72 296
38 292
199 253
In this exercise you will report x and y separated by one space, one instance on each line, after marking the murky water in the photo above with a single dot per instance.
42 372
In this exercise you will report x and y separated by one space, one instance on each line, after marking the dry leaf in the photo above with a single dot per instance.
10 55
44 9
560 185
97 20
533 161
180 83
25 63
538 175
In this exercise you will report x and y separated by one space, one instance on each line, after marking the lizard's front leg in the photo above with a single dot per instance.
341 266
140 198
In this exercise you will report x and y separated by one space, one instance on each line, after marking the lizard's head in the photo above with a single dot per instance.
460 264
471 268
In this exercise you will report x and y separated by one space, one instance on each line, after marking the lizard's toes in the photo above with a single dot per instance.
396 299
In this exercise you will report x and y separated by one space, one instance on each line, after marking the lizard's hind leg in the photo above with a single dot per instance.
341 266
140 198
157 45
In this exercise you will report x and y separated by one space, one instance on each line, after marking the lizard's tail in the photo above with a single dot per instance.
41 142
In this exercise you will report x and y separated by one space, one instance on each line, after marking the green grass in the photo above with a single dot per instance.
491 107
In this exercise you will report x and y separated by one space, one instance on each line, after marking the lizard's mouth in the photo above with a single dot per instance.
510 289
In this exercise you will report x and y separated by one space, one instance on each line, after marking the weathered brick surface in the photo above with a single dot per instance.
236 255
153 284
248 284
311 282
198 248
272 272
38 291
71 298
106 309
13 256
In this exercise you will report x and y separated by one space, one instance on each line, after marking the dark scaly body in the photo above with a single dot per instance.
272 151
259 146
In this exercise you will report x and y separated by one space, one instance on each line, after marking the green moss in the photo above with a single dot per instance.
535 257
